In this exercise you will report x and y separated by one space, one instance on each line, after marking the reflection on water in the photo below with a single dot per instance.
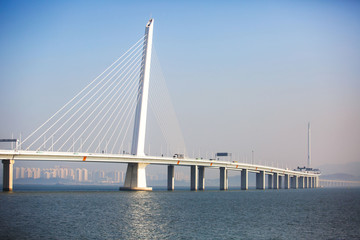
142 215
276 214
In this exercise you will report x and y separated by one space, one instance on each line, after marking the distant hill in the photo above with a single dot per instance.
341 176
352 168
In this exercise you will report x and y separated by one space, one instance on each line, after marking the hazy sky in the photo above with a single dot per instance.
243 75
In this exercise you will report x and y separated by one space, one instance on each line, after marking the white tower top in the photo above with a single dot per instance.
138 143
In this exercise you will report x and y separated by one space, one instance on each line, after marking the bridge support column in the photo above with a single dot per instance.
244 179
8 172
223 179
270 181
307 182
135 179
194 178
202 178
312 182
294 182
171 175
281 182
301 182
260 180
317 182
287 181
276 181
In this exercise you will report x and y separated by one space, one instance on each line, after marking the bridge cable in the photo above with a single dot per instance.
93 104
27 138
132 94
130 121
68 119
161 105
127 102
99 132
70 109
129 79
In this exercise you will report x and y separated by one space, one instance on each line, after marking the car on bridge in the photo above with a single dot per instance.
179 156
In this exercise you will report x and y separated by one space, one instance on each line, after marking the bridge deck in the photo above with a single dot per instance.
123 158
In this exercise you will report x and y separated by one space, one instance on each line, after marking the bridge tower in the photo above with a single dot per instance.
135 174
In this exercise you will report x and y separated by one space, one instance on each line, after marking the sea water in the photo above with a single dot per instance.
92 213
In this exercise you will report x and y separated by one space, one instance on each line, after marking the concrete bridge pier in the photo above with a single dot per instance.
223 179
287 181
301 182
8 171
171 177
270 181
281 182
194 178
244 179
276 181
317 182
202 178
135 179
260 180
306 182
312 182
294 182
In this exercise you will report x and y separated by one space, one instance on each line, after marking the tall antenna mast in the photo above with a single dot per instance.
309 146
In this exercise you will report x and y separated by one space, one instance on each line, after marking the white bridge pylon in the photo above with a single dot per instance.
135 174
110 115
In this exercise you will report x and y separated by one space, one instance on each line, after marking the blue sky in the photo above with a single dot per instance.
243 75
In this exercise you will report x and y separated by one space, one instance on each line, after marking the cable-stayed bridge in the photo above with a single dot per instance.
107 122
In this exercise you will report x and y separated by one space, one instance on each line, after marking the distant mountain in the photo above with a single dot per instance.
341 176
352 168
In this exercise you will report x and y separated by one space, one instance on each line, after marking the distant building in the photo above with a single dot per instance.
85 174
28 173
36 173
118 176
17 173
79 175
71 174
47 175
22 172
